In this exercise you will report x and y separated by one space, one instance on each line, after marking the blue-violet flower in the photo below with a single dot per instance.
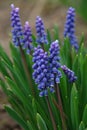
27 38
69 73
17 33
41 71
40 30
54 63
69 30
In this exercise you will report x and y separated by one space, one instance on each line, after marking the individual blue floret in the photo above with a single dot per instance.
17 33
27 38
69 29
41 71
54 63
40 30
69 73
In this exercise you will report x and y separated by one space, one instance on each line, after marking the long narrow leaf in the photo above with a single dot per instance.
16 117
40 122
74 108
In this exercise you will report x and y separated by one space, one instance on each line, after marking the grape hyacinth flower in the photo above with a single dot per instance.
27 38
17 33
69 73
54 63
41 71
40 30
69 30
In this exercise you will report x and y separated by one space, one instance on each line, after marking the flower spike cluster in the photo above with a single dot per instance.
46 68
17 32
69 73
40 30
69 30
54 63
41 71
46 64
27 38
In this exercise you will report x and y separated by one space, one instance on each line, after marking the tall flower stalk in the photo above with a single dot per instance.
17 30
27 40
40 31
69 29
51 114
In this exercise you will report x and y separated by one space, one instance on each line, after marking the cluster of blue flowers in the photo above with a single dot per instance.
69 73
46 64
23 36
46 68
54 60
41 72
17 33
69 30
27 40
40 29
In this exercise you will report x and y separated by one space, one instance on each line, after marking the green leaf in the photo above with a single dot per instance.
15 89
81 126
40 122
3 69
30 125
82 49
17 105
17 59
34 40
34 106
16 117
84 82
59 127
74 108
55 110
84 118
56 33
66 53
44 113
49 36
22 80
4 56
81 40
75 64
4 86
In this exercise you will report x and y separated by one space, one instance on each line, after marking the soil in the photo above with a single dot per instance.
51 14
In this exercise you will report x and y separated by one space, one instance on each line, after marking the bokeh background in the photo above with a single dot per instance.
52 12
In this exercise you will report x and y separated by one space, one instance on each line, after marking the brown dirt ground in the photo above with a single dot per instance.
51 13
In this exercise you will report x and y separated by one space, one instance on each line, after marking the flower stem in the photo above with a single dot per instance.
26 70
60 107
43 46
51 114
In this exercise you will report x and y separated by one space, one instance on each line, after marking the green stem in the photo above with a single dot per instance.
27 70
60 107
51 114
43 46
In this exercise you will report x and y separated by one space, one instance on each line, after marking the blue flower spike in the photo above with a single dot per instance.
17 32
69 30
40 30
69 73
27 41
54 63
41 71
